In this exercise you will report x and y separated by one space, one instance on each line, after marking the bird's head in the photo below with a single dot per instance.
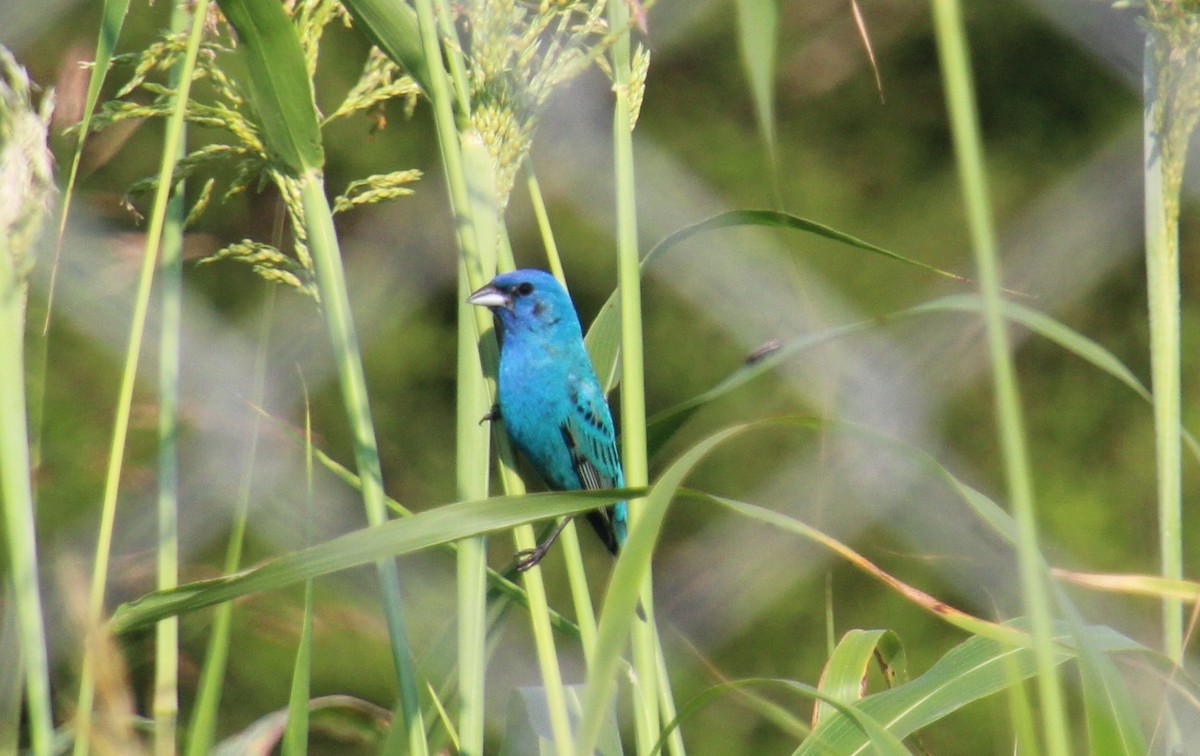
527 300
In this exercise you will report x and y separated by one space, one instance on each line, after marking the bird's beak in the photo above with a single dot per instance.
490 296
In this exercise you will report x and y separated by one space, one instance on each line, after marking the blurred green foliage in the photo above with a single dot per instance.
882 171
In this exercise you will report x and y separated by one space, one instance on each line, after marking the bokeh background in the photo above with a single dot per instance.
1059 91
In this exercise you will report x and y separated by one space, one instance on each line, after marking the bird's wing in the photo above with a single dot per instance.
588 433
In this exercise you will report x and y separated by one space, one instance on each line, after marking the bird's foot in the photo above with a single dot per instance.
492 415
527 558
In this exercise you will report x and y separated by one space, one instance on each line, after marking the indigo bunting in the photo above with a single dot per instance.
550 400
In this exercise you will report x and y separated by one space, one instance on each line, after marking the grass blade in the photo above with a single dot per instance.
880 739
391 25
603 337
976 668
758 23
279 88
172 142
964 123
845 672
451 522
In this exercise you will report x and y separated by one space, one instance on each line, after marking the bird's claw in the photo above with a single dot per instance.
492 415
527 558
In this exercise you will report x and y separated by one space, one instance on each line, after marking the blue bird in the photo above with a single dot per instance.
550 400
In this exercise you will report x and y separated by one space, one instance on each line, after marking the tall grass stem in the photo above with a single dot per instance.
964 124
166 640
633 397
202 726
172 143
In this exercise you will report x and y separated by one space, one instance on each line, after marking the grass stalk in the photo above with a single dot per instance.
202 727
477 238
1171 108
472 473
166 638
16 492
964 123
331 281
543 222
172 143
1162 293
295 737
633 396
581 596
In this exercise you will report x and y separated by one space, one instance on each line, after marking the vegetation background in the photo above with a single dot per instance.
864 149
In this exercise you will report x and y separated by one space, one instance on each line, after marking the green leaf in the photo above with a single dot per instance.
280 87
603 337
436 526
758 23
391 25
845 673
880 739
973 670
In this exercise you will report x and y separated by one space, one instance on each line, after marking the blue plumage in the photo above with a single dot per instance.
549 398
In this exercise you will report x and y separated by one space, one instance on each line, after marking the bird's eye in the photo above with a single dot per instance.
525 289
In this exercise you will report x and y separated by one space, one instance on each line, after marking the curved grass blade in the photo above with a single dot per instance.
975 669
1152 586
603 337
846 669
882 741
664 424
394 538
172 141
283 96
279 85
758 23
501 584
391 25
1061 334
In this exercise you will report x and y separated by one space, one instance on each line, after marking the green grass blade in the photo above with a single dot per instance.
278 81
964 125
634 457
16 492
846 669
472 475
172 142
391 25
283 97
975 669
501 585
166 656
424 530
202 726
633 564
603 337
1171 85
331 281
112 18
758 32
880 739
295 737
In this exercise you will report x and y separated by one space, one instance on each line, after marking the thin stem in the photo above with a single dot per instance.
543 221
202 728
172 142
331 280
633 396
964 122
16 498
166 657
